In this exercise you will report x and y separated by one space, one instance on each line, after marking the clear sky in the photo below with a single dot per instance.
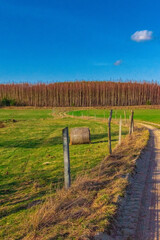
67 40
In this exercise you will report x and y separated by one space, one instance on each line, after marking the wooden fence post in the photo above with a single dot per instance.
125 116
131 128
120 130
109 132
67 177
130 125
132 115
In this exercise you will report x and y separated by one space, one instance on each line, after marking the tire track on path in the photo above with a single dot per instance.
149 218
139 213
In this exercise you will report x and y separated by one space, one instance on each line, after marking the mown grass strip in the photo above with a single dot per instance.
143 114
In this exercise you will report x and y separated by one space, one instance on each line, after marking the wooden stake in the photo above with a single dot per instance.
130 125
109 132
131 128
125 116
132 115
67 177
120 130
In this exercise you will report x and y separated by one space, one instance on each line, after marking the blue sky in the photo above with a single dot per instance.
67 40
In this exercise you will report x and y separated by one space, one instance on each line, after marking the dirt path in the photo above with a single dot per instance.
149 218
150 123
139 212
143 202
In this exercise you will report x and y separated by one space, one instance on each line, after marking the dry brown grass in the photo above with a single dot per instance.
90 205
2 125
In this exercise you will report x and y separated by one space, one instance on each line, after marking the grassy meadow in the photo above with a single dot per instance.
31 160
31 170
141 114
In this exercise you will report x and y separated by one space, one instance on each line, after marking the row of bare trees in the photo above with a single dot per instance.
82 93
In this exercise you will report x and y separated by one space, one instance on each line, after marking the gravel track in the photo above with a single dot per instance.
139 213
149 218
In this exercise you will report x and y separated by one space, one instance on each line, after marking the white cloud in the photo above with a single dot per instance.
141 36
118 62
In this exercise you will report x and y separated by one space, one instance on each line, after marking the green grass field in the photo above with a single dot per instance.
149 115
31 160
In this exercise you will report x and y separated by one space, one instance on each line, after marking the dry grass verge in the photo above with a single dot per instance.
90 205
1 125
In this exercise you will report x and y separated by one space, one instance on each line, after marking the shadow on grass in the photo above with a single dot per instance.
103 137
31 143
22 205
36 143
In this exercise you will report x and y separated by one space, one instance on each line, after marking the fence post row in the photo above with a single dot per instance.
109 132
131 128
67 177
120 130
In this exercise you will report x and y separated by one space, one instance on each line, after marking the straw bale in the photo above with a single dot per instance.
79 135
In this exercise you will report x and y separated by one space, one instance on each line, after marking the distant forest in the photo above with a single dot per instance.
80 94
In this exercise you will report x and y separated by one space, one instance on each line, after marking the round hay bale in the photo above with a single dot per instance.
79 135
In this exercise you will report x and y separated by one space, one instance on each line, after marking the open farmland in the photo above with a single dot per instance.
147 114
79 120
31 164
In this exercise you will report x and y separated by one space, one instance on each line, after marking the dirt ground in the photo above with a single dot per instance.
149 218
139 213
